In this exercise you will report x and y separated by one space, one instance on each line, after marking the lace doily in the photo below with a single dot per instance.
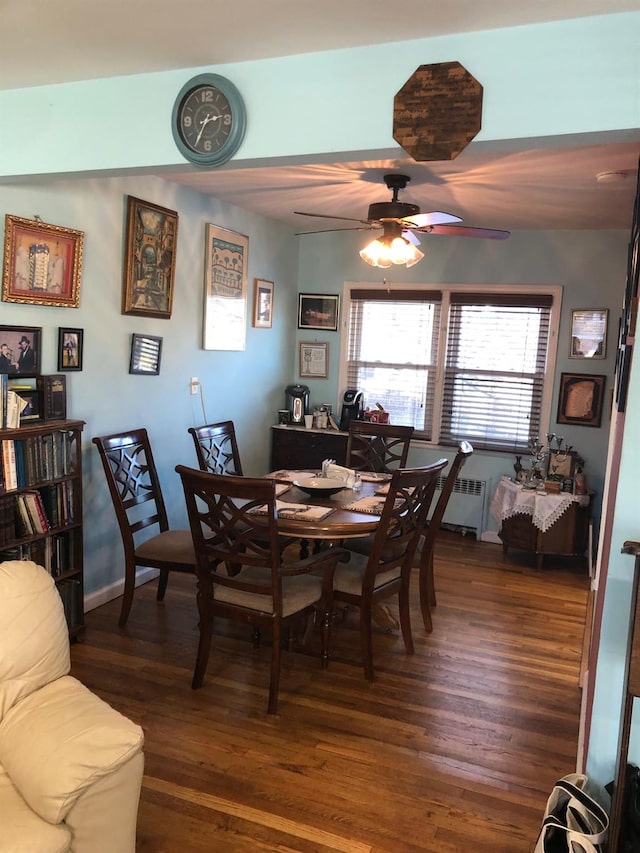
511 499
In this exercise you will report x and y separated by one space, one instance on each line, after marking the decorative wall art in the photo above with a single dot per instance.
70 348
589 333
581 399
20 350
149 261
262 303
317 311
145 354
42 263
225 289
314 359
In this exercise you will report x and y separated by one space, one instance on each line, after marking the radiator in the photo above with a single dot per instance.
465 510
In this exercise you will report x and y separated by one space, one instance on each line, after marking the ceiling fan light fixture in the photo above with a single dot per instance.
386 251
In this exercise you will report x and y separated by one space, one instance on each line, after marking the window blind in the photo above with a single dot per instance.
495 369
392 352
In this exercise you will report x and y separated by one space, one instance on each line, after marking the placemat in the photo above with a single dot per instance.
301 512
373 477
370 504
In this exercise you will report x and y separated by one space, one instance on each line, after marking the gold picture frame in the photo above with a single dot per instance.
262 303
149 260
42 263
225 289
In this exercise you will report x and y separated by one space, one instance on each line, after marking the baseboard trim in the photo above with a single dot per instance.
116 589
491 536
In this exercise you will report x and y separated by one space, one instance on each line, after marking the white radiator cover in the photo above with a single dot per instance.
465 510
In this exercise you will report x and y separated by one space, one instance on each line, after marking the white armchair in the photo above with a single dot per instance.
70 765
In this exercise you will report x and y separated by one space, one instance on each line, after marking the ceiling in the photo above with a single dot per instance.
508 188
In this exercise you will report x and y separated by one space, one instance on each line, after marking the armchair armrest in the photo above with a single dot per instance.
58 741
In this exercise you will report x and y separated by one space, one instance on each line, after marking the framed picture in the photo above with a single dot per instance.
149 259
589 333
581 399
318 312
262 303
225 289
31 410
314 358
42 263
20 349
561 464
70 348
145 354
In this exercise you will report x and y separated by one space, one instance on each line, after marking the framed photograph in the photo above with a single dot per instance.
225 289
42 263
149 259
70 348
561 464
31 411
262 303
145 354
20 350
581 399
589 333
314 359
318 312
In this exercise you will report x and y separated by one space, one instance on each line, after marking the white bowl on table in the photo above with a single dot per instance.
319 486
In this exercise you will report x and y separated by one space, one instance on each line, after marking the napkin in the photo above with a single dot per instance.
337 472
301 512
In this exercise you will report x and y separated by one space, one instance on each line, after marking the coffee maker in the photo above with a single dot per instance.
352 407
297 402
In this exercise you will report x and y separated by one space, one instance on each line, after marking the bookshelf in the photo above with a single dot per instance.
41 506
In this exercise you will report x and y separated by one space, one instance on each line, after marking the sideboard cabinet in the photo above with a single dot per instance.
41 506
299 448
568 536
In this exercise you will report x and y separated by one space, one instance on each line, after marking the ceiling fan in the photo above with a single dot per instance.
402 219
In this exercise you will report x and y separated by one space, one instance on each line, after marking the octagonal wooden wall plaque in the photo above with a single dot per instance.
437 112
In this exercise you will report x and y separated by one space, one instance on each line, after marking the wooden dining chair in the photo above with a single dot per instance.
380 448
426 583
265 592
369 578
137 498
217 448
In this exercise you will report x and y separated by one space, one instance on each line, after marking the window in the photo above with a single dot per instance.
455 363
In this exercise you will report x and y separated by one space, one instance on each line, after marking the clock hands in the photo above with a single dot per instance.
205 122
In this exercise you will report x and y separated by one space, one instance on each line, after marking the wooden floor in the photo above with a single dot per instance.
453 749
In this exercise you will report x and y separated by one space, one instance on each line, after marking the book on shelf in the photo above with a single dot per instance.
36 511
9 470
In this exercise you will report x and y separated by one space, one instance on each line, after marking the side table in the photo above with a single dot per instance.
541 523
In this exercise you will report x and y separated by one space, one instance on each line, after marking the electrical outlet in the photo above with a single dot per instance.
194 385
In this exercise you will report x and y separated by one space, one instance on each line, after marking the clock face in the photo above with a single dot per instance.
208 120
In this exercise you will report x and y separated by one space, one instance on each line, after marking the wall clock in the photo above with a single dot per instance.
208 120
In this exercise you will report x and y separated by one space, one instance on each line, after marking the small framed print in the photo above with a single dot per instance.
20 350
314 360
581 399
145 355
589 333
561 464
31 410
262 303
70 348
316 311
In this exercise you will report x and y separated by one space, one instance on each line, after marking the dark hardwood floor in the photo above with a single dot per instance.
453 749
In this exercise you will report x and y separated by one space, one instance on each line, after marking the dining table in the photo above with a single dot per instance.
345 514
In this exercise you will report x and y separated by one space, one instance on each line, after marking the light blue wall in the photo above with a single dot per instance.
558 79
246 387
591 266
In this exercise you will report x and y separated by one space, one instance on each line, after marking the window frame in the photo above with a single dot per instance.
446 290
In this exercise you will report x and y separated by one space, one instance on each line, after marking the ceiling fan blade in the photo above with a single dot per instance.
411 236
330 216
436 217
331 230
466 231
